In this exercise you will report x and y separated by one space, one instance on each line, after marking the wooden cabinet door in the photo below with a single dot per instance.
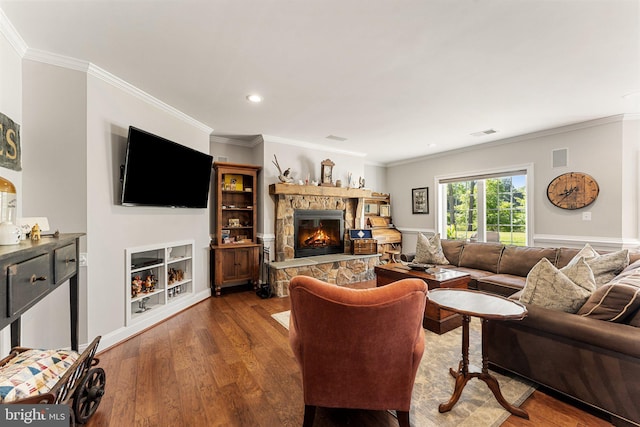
227 264
243 263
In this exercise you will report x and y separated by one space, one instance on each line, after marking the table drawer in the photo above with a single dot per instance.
65 262
27 280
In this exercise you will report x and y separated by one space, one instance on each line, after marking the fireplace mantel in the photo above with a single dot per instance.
314 190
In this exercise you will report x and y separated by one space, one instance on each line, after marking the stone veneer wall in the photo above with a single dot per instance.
286 204
339 272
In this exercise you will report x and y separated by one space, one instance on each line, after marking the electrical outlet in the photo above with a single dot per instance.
83 260
586 216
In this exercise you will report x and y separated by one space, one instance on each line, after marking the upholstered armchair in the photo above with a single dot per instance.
357 348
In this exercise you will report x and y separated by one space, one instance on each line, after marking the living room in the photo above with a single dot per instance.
74 116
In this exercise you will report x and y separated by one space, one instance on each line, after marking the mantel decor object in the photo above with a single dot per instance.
326 173
284 177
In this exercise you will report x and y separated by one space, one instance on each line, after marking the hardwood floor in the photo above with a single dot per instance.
226 362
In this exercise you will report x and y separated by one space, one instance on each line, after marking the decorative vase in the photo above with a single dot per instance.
8 201
9 233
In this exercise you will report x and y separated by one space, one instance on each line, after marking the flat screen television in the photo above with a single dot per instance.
159 172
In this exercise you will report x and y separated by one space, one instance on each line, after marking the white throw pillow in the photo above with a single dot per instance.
562 290
429 250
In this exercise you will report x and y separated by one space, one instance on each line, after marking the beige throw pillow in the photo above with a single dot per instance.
429 250
562 290
605 267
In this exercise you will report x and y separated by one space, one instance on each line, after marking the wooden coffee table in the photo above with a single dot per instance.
436 319
486 307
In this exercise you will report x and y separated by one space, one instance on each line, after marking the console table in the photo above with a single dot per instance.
486 307
30 271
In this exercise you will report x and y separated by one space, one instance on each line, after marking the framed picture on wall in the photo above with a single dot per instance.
420 200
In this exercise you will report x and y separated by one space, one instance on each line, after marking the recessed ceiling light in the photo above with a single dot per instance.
254 98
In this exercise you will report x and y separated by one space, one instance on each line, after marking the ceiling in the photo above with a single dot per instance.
398 79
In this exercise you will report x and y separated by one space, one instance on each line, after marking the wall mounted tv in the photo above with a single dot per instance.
159 172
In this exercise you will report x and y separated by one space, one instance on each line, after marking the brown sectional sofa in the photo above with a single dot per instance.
594 361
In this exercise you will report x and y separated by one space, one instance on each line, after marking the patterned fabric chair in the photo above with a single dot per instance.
357 348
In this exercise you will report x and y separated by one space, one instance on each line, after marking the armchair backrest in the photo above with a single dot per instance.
357 348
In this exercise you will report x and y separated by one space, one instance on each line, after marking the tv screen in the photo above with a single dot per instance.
159 172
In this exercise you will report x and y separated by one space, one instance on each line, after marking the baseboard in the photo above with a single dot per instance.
116 337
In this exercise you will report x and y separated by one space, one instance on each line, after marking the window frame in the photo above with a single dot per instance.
441 197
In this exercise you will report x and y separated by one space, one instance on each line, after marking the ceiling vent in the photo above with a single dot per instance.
484 132
336 138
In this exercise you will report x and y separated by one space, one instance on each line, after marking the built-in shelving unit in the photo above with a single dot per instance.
156 277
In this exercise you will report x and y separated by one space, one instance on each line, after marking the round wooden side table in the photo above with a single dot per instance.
487 307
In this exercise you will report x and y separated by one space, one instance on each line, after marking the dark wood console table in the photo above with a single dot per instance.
32 270
486 307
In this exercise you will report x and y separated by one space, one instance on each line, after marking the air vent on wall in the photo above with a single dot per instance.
336 138
221 158
484 132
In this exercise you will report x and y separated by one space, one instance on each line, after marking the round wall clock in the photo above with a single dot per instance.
573 190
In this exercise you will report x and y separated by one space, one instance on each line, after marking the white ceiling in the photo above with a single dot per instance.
398 79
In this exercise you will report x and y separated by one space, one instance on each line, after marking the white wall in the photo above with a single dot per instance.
110 227
605 149
55 183
11 106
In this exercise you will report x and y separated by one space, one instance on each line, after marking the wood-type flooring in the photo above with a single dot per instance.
226 362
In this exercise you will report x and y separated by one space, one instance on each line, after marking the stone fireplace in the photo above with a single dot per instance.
336 265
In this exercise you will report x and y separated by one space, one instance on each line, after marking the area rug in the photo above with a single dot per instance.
434 385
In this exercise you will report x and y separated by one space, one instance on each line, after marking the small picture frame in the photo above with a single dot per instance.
420 200
234 222
371 208
385 210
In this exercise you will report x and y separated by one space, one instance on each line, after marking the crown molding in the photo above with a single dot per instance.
107 77
57 60
539 134
311 146
11 34
255 141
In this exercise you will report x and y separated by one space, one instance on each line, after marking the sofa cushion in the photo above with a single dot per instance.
562 290
501 284
481 256
429 250
452 250
519 260
616 301
33 372
564 256
634 319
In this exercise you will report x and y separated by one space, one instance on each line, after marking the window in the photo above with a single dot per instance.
486 208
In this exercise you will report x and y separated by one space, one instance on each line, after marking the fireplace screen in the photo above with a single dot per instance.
318 232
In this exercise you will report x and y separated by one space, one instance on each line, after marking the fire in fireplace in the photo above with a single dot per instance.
318 232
